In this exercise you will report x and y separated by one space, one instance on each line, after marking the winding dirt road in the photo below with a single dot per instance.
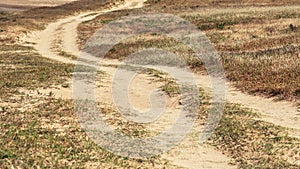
189 153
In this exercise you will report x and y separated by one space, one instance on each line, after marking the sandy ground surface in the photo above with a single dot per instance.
35 3
188 154
19 5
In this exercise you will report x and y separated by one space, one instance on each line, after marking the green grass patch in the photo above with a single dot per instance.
30 70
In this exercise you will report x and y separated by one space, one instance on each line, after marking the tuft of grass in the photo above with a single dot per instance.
170 87
67 55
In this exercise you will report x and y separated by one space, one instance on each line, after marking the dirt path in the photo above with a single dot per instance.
281 113
189 153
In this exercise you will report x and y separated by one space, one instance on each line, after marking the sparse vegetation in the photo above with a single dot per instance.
66 54
254 143
49 136
259 45
13 24
27 69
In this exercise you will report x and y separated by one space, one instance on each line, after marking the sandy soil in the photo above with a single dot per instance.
188 154
18 5
34 3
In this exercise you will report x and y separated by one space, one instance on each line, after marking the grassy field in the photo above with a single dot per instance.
259 46
258 42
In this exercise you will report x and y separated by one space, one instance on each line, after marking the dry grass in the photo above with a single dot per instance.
171 6
264 61
267 73
259 46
